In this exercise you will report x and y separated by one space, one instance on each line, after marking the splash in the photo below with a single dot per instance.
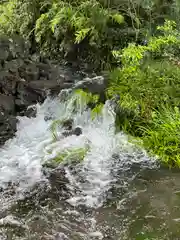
22 157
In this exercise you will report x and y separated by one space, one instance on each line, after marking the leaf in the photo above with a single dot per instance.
118 18
80 35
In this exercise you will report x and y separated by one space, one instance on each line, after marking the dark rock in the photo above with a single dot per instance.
44 87
76 131
27 96
58 177
7 104
67 124
95 85
29 72
8 83
7 127
30 112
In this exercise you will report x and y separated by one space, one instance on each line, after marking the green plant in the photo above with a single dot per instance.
73 155
145 81
162 137
66 25
148 79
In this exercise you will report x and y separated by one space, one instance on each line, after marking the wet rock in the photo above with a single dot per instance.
95 85
58 177
7 127
29 72
51 87
30 112
8 83
27 96
7 104
76 131
67 124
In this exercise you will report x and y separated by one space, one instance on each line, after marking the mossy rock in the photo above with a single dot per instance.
74 155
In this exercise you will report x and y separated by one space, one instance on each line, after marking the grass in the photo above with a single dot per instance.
163 136
148 84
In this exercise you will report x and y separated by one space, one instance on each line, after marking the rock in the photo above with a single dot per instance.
8 83
29 72
58 177
76 131
30 112
7 104
48 87
95 85
7 127
27 96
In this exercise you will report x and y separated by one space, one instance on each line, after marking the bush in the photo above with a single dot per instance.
163 136
148 79
84 31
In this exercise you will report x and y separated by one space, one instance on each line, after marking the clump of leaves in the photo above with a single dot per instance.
73 155
79 102
67 25
162 137
148 79
145 81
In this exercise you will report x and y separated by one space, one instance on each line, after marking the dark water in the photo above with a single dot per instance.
141 205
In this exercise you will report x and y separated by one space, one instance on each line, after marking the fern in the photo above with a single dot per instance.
81 34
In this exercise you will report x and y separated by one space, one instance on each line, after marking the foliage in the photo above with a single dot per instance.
163 135
84 30
19 16
149 79
78 103
68 156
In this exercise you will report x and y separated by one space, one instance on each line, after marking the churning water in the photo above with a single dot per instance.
85 206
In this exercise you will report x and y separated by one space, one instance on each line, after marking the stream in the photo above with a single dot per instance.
117 192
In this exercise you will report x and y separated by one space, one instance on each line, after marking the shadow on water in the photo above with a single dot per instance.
142 204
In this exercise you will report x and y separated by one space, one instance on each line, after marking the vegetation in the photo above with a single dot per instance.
73 155
86 30
148 85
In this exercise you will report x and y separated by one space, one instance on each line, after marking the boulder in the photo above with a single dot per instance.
7 127
7 104
95 85
7 120
8 82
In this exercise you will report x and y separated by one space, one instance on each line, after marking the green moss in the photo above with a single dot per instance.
74 155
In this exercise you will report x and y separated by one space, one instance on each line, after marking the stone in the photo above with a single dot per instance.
7 127
29 72
7 104
51 86
8 83
76 131
95 85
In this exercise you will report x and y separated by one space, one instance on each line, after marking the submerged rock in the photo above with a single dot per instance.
76 131
67 156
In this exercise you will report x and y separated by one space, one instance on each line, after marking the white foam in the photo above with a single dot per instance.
21 157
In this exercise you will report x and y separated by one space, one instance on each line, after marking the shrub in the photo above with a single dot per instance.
163 135
148 79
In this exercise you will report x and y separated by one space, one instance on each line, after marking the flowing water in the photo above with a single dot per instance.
117 192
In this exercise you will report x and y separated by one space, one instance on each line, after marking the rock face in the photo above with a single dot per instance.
95 85
27 79
24 81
